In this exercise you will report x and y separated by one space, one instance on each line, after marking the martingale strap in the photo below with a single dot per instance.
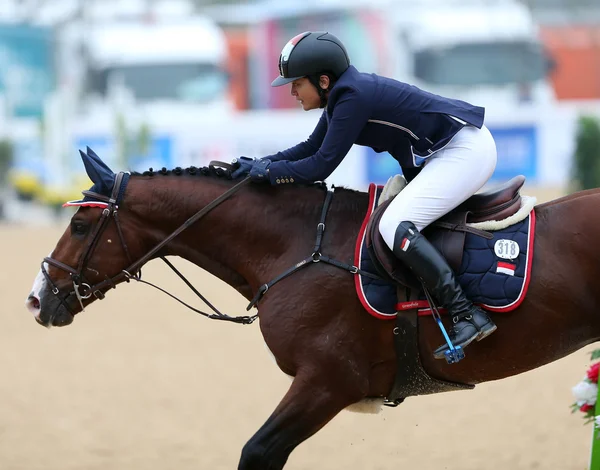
83 290
315 257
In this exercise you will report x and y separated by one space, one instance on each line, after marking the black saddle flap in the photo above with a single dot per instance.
449 242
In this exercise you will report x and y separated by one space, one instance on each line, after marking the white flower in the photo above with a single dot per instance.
585 393
597 422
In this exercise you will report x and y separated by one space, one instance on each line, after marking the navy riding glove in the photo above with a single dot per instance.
245 165
259 173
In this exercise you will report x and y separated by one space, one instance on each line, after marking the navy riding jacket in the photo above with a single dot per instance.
378 112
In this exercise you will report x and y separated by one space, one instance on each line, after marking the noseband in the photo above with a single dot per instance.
83 289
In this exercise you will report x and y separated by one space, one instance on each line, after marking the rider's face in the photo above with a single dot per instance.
306 94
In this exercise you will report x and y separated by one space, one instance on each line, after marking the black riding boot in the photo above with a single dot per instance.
469 321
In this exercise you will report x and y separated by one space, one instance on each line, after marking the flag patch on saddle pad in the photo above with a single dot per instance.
506 268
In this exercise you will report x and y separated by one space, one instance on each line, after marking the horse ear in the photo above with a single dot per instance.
100 174
98 160
90 168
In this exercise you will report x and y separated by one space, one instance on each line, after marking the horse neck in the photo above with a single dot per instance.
242 241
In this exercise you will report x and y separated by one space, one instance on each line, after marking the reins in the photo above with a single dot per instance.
135 267
133 271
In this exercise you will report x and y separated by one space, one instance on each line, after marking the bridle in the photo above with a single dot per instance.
83 289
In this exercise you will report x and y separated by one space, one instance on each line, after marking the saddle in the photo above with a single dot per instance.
448 233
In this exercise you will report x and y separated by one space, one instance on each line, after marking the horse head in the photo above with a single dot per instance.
108 240
90 254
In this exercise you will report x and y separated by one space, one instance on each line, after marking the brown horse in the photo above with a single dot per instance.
312 320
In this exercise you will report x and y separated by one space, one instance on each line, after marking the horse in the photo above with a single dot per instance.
311 319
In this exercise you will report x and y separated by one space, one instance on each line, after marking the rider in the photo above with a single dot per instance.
441 144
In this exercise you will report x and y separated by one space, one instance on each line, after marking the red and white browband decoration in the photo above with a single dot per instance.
99 204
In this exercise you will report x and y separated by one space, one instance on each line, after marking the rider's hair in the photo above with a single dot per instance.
314 79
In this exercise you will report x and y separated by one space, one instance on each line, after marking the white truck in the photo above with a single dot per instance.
137 79
173 67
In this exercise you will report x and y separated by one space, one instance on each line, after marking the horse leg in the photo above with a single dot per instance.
309 404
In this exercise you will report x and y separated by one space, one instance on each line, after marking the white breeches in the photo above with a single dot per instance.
449 177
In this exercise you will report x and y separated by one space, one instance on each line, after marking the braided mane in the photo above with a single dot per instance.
349 196
189 171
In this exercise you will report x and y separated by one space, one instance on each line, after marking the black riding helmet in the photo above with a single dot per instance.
311 54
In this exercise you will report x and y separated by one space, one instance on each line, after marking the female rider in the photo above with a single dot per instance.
445 151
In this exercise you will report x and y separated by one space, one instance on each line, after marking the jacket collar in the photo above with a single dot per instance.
348 76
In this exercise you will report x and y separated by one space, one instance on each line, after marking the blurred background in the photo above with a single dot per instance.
165 83
139 382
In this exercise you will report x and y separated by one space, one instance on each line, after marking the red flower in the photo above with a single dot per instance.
592 373
585 408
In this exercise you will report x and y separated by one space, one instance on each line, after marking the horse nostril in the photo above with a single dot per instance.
34 301
33 304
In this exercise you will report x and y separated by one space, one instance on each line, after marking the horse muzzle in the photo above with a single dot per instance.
48 313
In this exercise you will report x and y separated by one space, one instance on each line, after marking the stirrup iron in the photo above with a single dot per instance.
455 353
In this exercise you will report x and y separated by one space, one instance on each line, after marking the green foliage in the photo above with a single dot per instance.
122 138
6 159
587 153
131 143
144 139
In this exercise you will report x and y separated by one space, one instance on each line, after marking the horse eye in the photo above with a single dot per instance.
78 228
